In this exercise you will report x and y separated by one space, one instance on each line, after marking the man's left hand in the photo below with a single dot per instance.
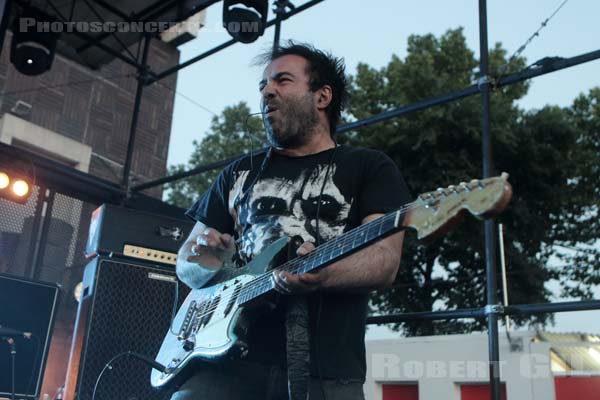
286 283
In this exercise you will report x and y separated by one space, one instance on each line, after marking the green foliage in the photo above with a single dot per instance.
542 150
230 134
576 235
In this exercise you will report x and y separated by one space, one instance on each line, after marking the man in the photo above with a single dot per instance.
306 187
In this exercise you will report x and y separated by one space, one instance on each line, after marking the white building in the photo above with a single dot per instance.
534 366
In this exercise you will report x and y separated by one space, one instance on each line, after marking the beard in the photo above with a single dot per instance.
294 123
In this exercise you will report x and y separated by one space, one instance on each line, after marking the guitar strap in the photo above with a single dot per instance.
297 319
298 347
297 337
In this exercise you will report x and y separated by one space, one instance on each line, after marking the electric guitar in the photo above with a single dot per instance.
212 321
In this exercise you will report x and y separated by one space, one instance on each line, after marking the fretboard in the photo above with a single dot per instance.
327 253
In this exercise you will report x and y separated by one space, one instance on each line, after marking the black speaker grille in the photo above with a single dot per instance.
130 311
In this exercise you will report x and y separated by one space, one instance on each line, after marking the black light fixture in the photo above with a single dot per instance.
245 20
31 49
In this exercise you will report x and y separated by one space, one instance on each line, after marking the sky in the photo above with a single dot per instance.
371 32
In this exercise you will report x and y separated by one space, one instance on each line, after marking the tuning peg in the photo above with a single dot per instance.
504 175
465 186
452 188
476 182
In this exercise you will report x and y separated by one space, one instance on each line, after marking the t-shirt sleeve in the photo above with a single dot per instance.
383 189
212 207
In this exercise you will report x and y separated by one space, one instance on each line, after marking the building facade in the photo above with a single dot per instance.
533 366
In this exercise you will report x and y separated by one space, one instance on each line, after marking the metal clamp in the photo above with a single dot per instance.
493 309
483 80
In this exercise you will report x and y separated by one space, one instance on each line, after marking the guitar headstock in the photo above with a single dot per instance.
433 212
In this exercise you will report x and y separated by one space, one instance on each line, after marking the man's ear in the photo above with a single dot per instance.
325 95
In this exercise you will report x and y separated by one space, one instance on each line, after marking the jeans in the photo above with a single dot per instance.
242 380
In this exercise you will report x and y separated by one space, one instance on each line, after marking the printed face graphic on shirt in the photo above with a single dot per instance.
279 207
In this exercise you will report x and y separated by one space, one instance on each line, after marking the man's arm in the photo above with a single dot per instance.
203 254
371 268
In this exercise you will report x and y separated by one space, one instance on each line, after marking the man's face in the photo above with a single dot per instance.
288 104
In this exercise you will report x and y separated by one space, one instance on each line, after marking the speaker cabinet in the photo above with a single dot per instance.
125 306
25 306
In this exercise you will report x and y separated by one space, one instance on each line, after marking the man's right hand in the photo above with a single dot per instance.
212 243
204 252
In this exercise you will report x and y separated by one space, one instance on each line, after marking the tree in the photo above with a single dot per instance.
542 150
576 242
234 132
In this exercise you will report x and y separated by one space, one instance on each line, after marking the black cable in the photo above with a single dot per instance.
13 365
240 200
194 102
247 132
141 357
13 353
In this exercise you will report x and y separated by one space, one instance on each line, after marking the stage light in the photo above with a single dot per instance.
14 187
31 51
4 180
245 20
20 188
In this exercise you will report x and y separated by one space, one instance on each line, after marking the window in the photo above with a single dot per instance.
479 391
576 387
400 392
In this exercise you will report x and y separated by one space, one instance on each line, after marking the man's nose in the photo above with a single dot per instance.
268 91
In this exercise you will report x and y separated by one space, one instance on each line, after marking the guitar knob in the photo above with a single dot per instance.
189 343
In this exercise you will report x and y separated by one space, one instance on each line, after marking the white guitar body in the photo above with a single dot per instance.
210 323
219 333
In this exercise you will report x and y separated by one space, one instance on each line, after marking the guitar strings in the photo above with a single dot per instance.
350 236
289 266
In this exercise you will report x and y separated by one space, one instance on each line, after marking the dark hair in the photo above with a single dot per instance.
323 69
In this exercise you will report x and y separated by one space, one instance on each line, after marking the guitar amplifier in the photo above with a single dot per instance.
125 306
116 230
25 306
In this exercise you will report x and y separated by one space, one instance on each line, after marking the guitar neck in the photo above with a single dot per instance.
328 253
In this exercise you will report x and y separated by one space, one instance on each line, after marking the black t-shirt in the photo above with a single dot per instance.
355 182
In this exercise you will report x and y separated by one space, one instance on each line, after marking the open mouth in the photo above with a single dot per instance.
270 110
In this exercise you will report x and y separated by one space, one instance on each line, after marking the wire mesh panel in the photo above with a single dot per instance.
17 236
